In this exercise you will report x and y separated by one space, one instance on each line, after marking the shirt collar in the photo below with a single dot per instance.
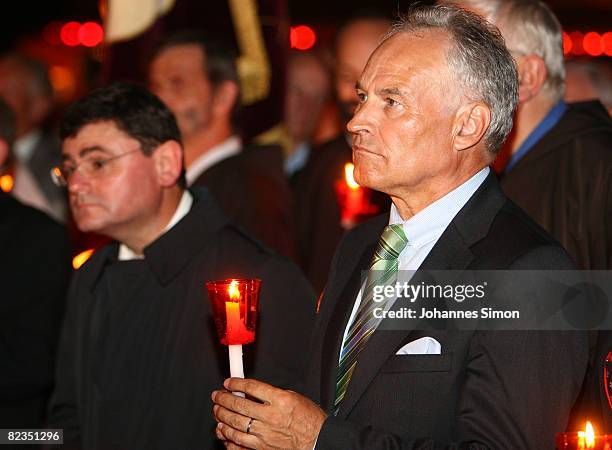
229 147
429 223
550 120
126 254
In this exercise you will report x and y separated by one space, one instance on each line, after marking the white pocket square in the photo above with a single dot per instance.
422 346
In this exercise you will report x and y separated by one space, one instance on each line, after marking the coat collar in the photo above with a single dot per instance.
167 255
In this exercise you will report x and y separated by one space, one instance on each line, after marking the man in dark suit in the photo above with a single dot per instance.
139 353
34 273
436 103
196 76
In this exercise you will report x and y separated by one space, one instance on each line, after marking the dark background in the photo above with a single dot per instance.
25 16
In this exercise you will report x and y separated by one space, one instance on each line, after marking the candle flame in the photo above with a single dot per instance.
589 435
234 292
81 258
348 176
6 183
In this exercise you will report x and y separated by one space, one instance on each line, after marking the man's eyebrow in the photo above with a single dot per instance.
85 151
392 91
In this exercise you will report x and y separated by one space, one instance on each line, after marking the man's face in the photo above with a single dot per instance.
355 45
403 127
122 198
307 89
177 75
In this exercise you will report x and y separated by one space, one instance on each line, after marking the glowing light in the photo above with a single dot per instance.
592 44
606 41
90 34
349 168
6 183
302 37
577 41
567 43
81 258
62 79
234 292
70 34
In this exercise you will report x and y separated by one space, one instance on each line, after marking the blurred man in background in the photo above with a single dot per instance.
560 168
25 86
318 216
196 77
308 91
34 273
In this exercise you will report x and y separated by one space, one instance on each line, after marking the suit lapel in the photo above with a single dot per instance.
338 307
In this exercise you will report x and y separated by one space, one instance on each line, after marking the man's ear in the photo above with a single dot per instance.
532 76
3 152
168 160
224 98
471 123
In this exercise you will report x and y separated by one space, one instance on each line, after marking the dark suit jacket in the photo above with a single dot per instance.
252 190
491 389
34 273
139 354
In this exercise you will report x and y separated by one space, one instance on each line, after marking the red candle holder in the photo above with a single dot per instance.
354 200
234 303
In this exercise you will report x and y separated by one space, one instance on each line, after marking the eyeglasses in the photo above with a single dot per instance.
89 167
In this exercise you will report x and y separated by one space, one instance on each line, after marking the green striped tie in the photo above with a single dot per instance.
383 271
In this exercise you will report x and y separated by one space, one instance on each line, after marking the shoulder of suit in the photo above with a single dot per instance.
513 234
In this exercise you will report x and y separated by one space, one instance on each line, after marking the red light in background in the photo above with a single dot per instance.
606 41
90 34
302 37
577 40
592 44
567 43
70 34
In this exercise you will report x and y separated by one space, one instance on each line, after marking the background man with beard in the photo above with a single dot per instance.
139 354
196 77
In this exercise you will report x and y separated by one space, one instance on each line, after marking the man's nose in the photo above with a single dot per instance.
361 121
77 182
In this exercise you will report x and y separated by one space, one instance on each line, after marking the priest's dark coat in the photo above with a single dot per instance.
139 356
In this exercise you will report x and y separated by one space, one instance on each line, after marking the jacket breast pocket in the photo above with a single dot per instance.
418 363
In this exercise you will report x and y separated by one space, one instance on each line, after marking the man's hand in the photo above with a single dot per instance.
283 419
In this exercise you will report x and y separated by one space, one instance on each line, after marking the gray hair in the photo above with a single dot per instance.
530 27
478 58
